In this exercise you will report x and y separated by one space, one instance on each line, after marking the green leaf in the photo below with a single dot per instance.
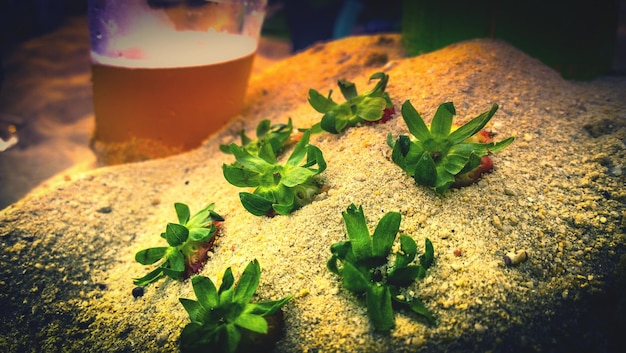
204 217
320 103
329 121
421 272
239 176
299 150
353 279
268 307
473 126
371 108
201 234
380 87
442 121
348 89
286 207
283 198
214 215
251 162
408 250
404 276
194 309
444 180
331 264
152 276
498 146
425 171
254 323
385 234
151 255
245 140
315 129
205 291
472 162
413 157
457 158
379 308
342 121
175 265
295 176
255 204
248 283
263 128
414 122
196 338
226 288
233 336
176 234
400 150
426 260
357 232
417 306
315 156
182 211
390 142
341 249
266 153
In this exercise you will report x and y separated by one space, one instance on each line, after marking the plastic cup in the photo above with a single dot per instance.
167 74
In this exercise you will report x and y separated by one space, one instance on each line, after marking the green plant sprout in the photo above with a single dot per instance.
189 241
279 188
224 320
444 156
365 264
370 107
275 135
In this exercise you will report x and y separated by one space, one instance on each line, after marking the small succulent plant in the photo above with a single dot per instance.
277 136
224 320
374 106
279 189
367 268
189 241
444 155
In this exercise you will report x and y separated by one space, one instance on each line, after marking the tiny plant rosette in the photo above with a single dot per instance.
277 136
279 188
374 106
443 155
223 319
189 240
370 268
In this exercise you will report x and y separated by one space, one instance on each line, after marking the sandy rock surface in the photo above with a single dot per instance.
67 255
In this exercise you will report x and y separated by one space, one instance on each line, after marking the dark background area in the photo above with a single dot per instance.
304 22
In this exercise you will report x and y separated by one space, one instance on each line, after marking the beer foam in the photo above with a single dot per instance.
174 49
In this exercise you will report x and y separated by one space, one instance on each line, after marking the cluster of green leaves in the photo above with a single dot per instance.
185 239
435 156
220 317
356 109
267 134
279 188
366 267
